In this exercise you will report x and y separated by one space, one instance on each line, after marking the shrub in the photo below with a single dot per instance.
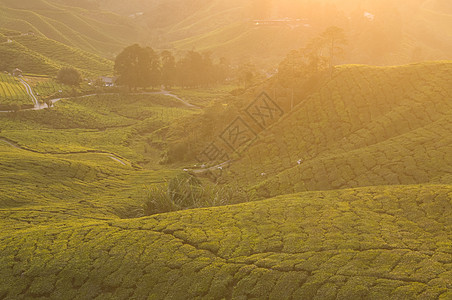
69 76
186 191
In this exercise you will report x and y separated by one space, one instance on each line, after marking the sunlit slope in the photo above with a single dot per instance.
64 55
241 39
79 159
40 55
91 30
369 243
367 126
12 92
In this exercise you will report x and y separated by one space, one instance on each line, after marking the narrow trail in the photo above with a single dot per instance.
113 156
39 106
213 168
30 93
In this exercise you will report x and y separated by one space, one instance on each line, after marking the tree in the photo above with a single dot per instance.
155 73
137 67
69 76
333 39
168 68
245 74
189 70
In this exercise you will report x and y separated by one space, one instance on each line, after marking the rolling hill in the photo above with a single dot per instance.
397 33
367 126
378 32
370 243
96 31
40 55
366 214
12 91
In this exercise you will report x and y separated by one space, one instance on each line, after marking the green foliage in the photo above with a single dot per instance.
12 92
40 55
92 30
369 243
367 126
70 185
69 76
186 192
67 56
143 67
137 67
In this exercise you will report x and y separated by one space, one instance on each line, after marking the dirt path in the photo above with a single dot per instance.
213 168
39 106
113 156
30 93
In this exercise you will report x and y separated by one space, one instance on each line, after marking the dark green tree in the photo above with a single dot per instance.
69 76
189 70
333 40
137 67
155 72
168 69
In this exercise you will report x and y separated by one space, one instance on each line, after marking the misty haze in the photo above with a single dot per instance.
214 149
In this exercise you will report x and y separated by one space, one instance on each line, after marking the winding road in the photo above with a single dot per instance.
39 106
30 93
113 156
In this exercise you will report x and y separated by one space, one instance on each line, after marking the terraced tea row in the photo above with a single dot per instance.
12 92
370 243
368 126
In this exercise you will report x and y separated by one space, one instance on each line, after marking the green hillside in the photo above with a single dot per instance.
365 214
240 39
367 126
370 243
97 31
12 92
40 55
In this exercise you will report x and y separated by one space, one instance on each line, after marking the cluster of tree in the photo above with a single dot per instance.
143 67
318 56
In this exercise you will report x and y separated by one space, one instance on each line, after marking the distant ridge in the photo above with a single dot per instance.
96 31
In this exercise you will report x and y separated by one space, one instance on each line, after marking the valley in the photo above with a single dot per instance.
178 150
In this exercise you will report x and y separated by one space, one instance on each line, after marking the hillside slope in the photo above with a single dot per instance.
40 55
368 243
96 31
71 199
366 126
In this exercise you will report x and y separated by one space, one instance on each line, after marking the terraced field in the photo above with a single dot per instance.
369 243
12 92
95 31
362 169
40 55
389 126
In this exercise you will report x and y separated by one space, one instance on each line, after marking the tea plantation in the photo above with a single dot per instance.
367 126
12 92
354 188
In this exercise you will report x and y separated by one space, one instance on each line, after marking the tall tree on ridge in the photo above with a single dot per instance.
333 39
168 69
